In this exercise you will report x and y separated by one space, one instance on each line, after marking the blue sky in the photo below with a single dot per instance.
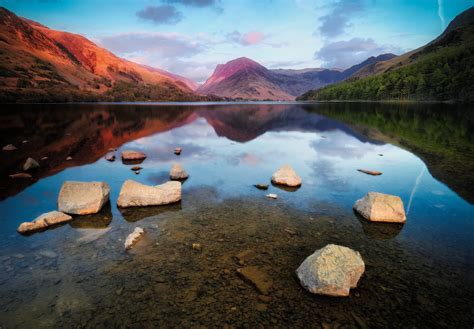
190 37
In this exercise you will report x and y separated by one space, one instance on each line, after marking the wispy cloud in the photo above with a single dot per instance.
338 19
441 14
162 14
246 39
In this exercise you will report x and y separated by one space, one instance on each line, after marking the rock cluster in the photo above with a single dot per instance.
134 194
83 198
379 207
332 270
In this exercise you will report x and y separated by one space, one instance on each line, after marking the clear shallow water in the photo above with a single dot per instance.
419 274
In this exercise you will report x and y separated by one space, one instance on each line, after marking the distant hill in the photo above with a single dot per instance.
40 64
246 79
442 70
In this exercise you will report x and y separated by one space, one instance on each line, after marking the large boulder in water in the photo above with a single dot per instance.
83 198
286 176
332 270
44 221
134 194
379 207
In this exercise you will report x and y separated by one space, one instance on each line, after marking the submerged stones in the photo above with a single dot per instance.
258 277
379 207
134 237
133 156
134 194
332 270
44 221
370 172
286 176
178 173
83 198
30 164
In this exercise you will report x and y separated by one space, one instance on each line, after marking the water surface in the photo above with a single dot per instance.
417 275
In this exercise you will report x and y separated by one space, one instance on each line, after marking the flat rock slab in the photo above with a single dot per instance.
134 237
370 172
44 221
258 277
332 270
134 194
133 156
286 176
83 198
379 207
178 173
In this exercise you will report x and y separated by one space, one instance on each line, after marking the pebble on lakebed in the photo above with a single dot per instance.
332 270
134 237
379 207
272 196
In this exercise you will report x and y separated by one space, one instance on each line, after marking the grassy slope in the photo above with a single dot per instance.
442 71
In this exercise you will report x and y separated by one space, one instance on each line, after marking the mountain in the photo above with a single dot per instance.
41 64
442 70
246 79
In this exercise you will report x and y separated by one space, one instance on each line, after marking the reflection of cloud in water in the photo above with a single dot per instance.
326 172
343 146
245 158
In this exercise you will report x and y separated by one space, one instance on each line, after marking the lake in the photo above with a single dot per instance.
419 274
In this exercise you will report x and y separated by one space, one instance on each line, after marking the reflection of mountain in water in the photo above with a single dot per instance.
86 132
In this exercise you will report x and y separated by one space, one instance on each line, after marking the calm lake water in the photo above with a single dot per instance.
77 275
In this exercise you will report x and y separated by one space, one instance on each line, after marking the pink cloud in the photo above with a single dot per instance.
252 38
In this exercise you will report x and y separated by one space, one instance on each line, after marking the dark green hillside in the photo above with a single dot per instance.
441 71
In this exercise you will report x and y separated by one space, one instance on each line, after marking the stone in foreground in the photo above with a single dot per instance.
30 164
258 277
133 238
286 176
379 207
44 221
178 173
133 156
83 198
134 194
332 270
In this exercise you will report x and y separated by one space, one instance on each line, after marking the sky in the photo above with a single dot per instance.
190 37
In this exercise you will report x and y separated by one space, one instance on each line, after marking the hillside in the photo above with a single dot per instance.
443 70
38 64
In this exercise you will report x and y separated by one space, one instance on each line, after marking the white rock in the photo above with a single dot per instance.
332 270
286 176
134 194
379 207
44 221
30 164
133 238
83 198
177 172
272 196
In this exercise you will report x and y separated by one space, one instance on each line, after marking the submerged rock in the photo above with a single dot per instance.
258 277
9 147
30 164
133 238
379 207
332 270
178 173
133 155
272 196
44 221
20 175
261 186
370 172
83 198
134 194
286 176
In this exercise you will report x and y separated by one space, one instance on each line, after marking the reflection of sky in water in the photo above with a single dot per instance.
326 160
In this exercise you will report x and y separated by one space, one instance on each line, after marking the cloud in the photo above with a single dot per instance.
342 54
441 14
159 43
194 3
338 19
246 39
163 14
